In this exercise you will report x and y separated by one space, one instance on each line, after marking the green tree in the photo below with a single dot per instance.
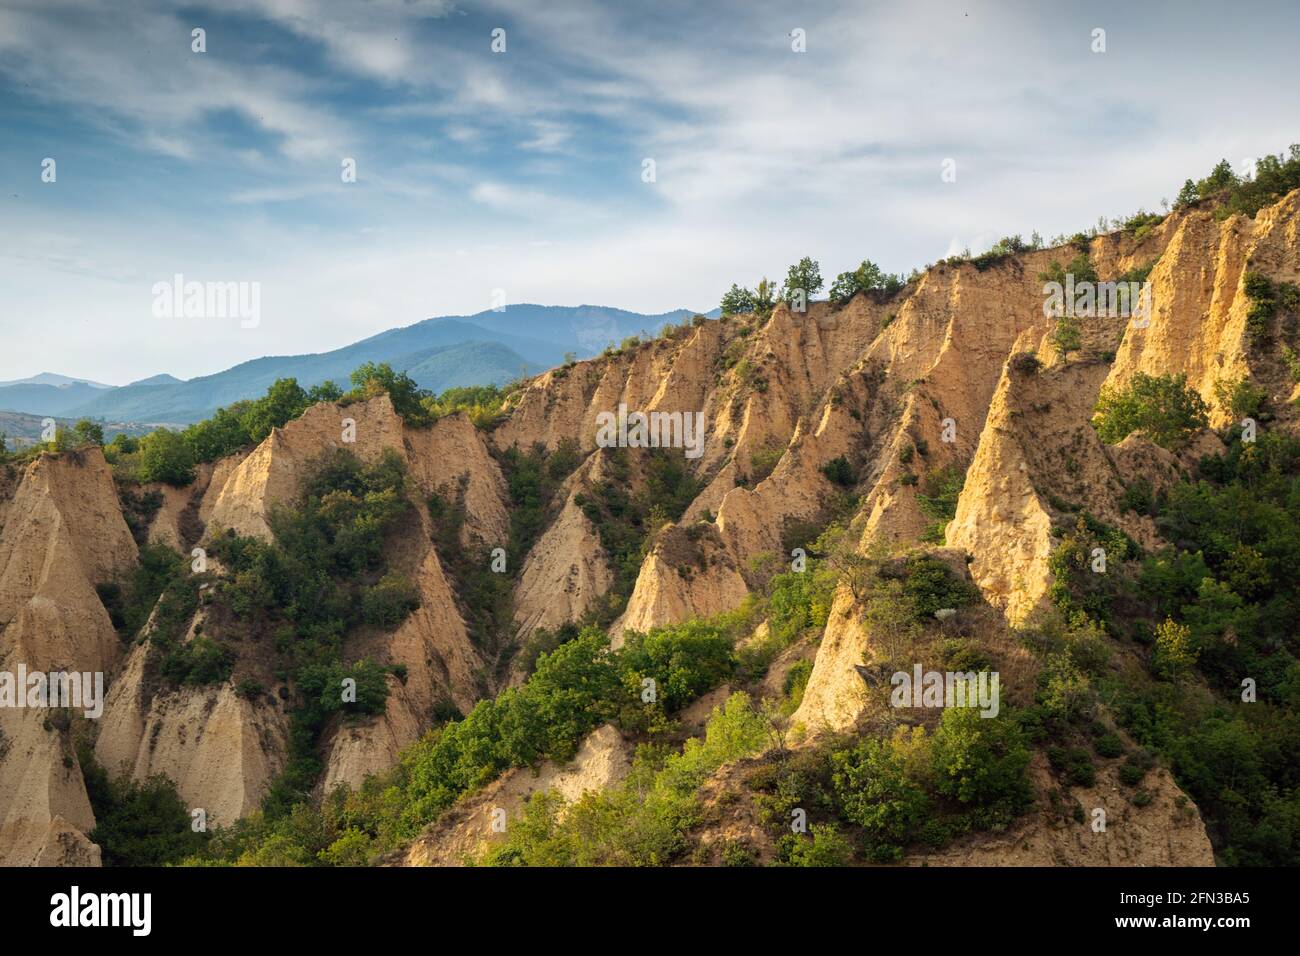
1067 336
1175 651
1162 406
406 396
804 276
868 277
165 456
137 824
1221 177
882 786
284 401
88 432
219 435
1240 397
764 297
737 301
326 391
124 444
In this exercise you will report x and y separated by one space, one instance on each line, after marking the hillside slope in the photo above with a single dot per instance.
916 423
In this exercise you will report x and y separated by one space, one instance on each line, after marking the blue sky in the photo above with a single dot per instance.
521 171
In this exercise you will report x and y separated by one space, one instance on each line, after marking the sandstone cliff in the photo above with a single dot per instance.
843 412
61 533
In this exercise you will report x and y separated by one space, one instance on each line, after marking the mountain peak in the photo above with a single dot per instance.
160 379
55 379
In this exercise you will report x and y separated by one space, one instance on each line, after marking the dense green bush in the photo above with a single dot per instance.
197 661
915 787
931 585
137 824
130 600
389 602
1077 589
166 457
1162 407
982 763
838 471
824 846
885 787
684 660
484 404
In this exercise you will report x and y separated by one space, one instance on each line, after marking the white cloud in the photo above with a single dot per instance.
481 171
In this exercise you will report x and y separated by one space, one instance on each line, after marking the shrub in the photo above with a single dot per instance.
684 660
825 846
137 824
938 500
198 661
796 601
1074 764
982 762
1109 746
1239 398
963 654
1162 406
484 404
881 786
1025 363
1263 306
931 585
1080 267
838 471
1138 496
389 602
1064 691
796 681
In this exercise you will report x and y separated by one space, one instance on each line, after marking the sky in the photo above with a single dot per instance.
521 173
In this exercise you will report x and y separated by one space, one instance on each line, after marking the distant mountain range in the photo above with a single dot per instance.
51 378
490 347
